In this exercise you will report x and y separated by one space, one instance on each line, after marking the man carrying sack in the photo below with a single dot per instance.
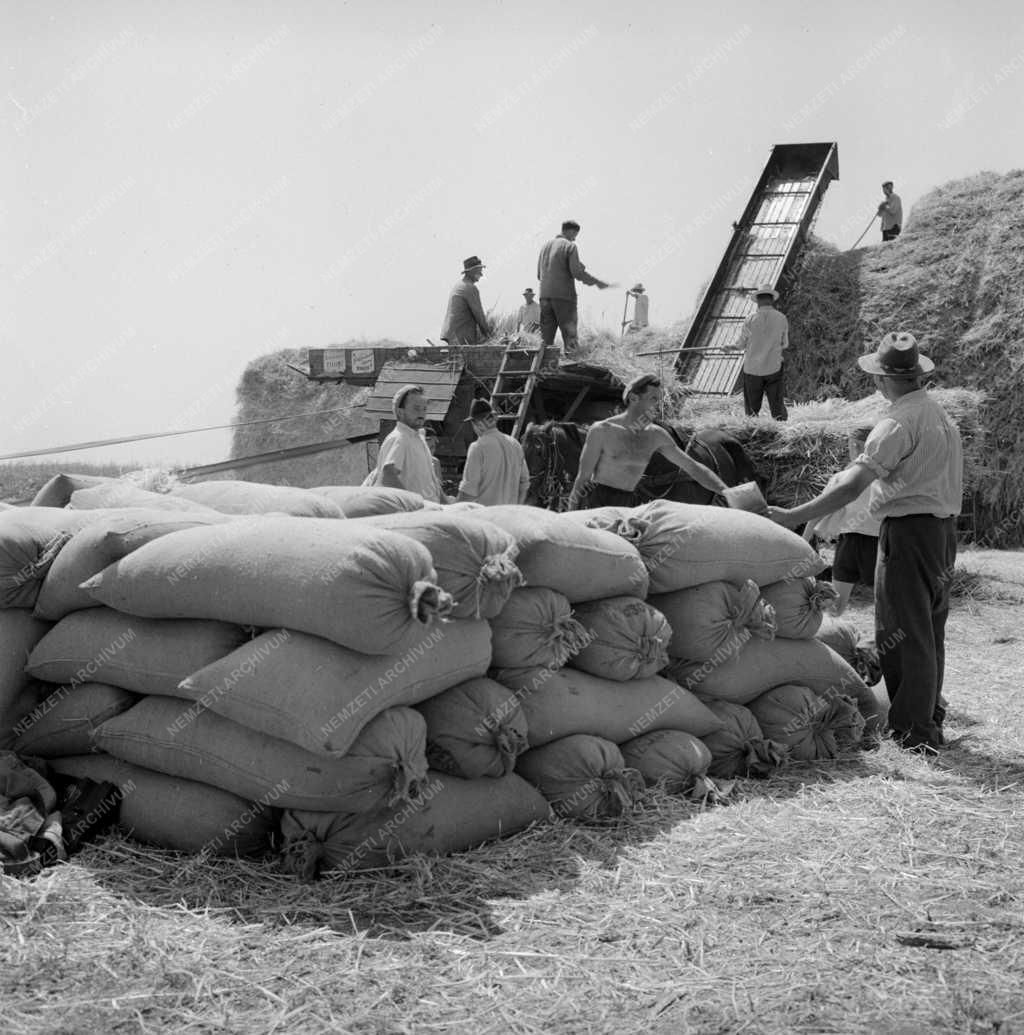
913 461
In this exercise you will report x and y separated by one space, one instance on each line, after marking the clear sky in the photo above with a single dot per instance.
186 186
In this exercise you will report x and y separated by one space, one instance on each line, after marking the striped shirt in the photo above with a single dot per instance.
495 472
916 454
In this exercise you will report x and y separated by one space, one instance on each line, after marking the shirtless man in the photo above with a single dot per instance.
618 450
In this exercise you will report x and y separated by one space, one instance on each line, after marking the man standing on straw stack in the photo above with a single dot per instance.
914 457
765 336
465 322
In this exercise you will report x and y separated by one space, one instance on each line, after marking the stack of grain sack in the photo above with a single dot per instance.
368 677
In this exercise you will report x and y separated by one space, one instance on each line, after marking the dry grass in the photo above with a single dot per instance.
876 893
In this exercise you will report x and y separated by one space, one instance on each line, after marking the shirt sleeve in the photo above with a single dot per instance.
392 452
576 267
524 478
785 333
470 484
745 334
887 446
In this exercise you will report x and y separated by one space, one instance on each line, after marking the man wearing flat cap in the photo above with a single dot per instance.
765 336
465 322
495 471
528 318
404 460
913 461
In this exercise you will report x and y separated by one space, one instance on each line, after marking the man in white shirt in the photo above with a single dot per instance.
529 313
404 460
496 471
763 338
641 308
891 211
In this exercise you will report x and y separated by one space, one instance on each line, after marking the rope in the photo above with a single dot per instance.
76 446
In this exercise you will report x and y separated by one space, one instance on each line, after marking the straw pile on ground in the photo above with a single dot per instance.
369 688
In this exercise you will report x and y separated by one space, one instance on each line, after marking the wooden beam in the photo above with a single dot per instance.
574 405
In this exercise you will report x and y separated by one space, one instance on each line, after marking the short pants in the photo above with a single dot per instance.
855 558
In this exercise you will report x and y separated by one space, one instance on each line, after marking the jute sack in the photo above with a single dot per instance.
670 758
182 815
855 649
799 605
19 633
119 494
686 544
706 619
362 587
57 491
474 560
580 562
620 520
742 675
63 722
318 696
237 497
13 716
107 539
558 704
583 777
356 501
535 627
740 748
474 730
625 638
812 727
30 540
385 764
451 815
145 655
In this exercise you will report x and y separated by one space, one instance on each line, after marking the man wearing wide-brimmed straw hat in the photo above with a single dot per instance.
763 339
465 322
528 318
913 461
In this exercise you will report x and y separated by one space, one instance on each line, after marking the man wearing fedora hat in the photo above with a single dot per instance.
763 339
465 322
495 471
913 461
528 318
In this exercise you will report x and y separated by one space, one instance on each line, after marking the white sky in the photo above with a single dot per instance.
186 186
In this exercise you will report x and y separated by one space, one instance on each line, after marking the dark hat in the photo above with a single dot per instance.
639 385
529 291
472 263
896 356
478 409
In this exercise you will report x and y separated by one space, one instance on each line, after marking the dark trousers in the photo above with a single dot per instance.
757 386
559 314
915 566
891 234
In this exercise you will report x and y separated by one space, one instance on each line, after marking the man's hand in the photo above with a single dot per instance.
782 516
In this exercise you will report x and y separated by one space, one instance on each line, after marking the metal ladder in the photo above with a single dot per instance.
514 385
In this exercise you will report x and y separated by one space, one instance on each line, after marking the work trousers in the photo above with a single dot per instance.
757 386
916 555
559 314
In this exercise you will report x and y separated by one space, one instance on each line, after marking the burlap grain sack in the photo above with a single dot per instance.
385 764
620 520
580 562
107 539
19 633
63 722
799 605
181 815
812 727
706 619
535 627
451 815
13 716
318 695
758 665
475 560
855 648
686 544
57 491
740 748
583 777
672 759
145 655
558 704
118 494
238 497
474 730
356 501
31 538
626 638
362 587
